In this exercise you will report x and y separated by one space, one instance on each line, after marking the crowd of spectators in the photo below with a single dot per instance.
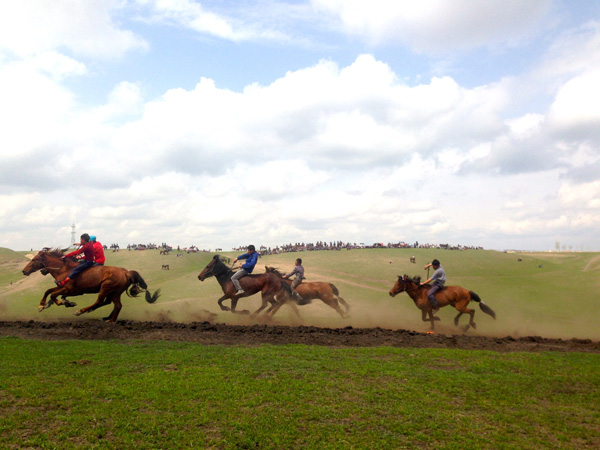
300 247
339 245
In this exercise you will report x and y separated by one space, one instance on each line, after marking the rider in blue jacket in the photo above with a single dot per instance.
251 259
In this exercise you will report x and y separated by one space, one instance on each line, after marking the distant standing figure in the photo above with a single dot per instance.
251 259
299 272
438 279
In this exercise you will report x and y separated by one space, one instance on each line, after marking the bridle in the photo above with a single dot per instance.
46 268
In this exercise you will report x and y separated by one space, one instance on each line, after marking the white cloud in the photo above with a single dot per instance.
436 25
324 152
576 108
85 27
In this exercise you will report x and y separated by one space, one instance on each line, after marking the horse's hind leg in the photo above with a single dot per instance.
462 309
346 305
333 303
116 300
100 301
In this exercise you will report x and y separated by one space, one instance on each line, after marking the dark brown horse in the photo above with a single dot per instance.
450 295
106 281
272 288
311 290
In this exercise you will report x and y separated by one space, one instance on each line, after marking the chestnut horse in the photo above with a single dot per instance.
268 284
450 295
311 290
108 282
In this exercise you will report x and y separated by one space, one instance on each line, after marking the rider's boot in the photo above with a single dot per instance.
63 282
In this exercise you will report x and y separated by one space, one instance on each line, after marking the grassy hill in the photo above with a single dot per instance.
547 294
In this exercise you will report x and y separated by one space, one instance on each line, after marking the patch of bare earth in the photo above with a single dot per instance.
208 333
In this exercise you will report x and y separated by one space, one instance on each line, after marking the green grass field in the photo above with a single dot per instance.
149 395
546 294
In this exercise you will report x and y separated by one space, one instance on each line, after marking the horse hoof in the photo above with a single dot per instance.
41 308
474 326
69 304
78 313
466 328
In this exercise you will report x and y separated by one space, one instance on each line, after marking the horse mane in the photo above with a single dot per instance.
274 270
221 266
56 252
417 280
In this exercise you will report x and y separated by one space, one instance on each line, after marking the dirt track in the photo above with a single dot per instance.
222 334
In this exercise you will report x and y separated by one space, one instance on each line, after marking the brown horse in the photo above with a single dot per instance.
311 290
450 295
108 282
268 284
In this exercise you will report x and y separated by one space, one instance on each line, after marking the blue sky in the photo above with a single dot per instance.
225 123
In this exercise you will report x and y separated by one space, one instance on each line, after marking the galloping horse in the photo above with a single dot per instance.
108 282
268 284
310 290
450 295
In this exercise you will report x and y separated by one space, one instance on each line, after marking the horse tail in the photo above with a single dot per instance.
138 285
485 308
339 297
152 298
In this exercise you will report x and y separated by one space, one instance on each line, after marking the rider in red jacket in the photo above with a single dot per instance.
88 258
98 251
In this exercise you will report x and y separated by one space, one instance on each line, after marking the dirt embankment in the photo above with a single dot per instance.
222 334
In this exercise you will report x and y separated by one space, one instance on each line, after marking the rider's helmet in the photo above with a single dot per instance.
93 238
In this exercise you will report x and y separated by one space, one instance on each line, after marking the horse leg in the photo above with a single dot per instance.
54 293
234 301
265 300
346 305
43 304
116 300
462 309
221 305
431 319
100 301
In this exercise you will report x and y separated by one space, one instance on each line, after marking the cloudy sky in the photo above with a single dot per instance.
221 123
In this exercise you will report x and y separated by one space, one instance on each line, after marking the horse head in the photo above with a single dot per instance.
34 265
400 286
210 268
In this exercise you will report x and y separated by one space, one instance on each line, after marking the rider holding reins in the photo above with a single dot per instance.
438 279
87 249
299 272
247 268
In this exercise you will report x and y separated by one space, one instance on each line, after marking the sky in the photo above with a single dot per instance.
225 123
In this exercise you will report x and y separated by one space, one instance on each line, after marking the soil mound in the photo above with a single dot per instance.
208 333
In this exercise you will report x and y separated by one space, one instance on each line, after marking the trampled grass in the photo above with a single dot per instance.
147 395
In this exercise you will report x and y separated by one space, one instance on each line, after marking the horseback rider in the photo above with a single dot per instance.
251 259
438 279
299 272
88 258
99 258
